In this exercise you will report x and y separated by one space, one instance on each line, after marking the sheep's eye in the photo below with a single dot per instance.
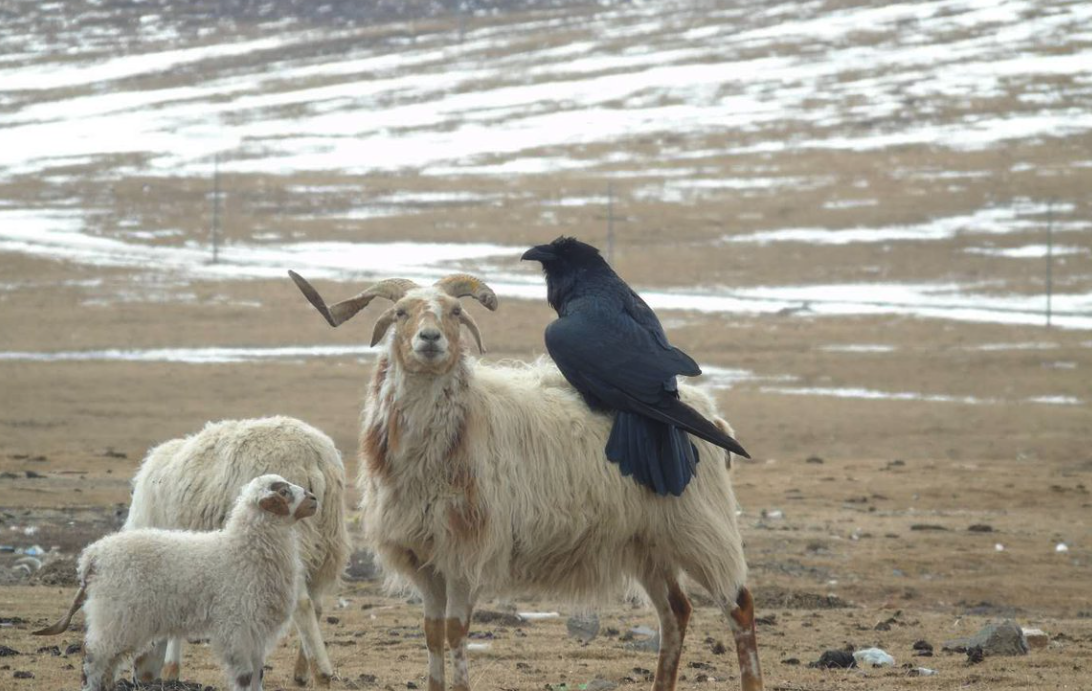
400 313
457 311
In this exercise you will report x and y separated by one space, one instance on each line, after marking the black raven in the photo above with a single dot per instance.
610 346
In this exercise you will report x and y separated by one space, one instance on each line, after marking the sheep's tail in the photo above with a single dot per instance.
61 625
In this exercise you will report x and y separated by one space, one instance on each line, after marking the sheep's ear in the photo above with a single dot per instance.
275 504
382 324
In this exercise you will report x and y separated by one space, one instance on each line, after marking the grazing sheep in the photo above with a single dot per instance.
492 479
191 484
238 586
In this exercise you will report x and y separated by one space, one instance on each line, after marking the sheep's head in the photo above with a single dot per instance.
426 321
277 496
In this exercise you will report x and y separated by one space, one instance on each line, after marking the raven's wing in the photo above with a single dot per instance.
607 350
643 315
609 358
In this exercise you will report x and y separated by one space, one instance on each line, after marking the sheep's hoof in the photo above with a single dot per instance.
323 679
302 673
170 671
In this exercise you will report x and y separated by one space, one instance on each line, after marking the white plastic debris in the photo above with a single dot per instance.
478 646
873 657
999 547
1061 547
924 672
35 551
538 616
1036 638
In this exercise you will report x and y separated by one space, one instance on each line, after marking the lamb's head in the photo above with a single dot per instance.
424 321
280 498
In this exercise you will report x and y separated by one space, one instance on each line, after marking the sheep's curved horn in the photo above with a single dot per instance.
468 321
392 289
464 285
382 324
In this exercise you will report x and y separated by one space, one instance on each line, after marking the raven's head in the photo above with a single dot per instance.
566 261
563 254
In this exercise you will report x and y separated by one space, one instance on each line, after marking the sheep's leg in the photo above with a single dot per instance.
742 620
460 603
434 594
673 608
149 665
312 647
172 666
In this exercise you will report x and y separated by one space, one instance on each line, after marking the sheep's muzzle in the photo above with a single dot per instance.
307 507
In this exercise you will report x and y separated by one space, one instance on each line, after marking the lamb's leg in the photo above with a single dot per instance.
673 608
172 666
434 594
460 604
240 665
742 620
149 665
96 665
312 647
259 672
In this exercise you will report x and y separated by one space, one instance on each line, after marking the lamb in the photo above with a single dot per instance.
492 479
238 586
191 484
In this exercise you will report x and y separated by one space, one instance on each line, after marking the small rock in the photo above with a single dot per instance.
410 685
975 655
873 657
49 650
791 661
333 620
1036 638
814 459
927 526
486 616
23 675
923 648
31 475
1006 638
8 652
834 659
73 649
980 528
583 627
368 679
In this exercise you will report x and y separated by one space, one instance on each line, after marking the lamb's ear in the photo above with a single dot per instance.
275 504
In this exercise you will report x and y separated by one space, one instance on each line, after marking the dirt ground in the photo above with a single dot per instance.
876 496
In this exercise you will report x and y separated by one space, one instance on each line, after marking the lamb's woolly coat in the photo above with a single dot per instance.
237 586
191 484
497 475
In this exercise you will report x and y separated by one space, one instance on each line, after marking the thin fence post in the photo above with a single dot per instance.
215 231
610 223
1050 263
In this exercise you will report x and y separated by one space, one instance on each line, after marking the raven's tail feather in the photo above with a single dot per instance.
657 455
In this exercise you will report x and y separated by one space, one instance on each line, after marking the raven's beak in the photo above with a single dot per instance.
539 253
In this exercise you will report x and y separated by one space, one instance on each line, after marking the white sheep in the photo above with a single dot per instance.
493 479
237 586
191 484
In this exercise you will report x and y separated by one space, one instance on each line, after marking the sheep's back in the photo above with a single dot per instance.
192 483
